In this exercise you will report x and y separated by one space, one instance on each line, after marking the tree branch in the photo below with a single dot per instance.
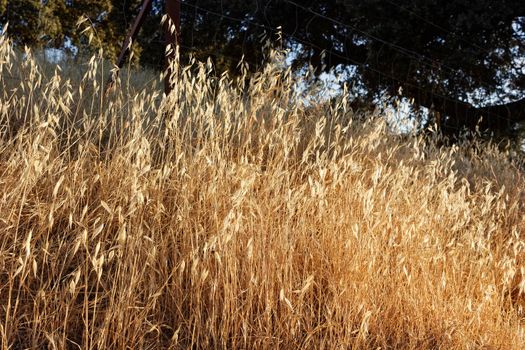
455 115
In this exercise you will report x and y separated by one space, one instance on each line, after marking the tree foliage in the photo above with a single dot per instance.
462 59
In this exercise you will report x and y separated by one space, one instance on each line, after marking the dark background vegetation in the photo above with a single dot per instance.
462 60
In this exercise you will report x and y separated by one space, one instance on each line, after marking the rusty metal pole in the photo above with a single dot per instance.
126 46
172 39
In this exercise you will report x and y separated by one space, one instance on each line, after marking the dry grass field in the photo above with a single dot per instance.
230 216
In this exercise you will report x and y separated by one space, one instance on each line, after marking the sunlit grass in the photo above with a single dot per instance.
232 217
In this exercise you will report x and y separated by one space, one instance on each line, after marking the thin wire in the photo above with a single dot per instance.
354 62
439 27
401 50
454 34
307 43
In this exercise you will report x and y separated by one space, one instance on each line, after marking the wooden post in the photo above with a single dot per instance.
172 38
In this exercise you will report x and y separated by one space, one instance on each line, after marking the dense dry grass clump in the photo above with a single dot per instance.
228 216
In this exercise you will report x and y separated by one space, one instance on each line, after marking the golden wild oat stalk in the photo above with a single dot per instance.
229 216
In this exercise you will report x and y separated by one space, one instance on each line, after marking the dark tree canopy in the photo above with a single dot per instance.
461 59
